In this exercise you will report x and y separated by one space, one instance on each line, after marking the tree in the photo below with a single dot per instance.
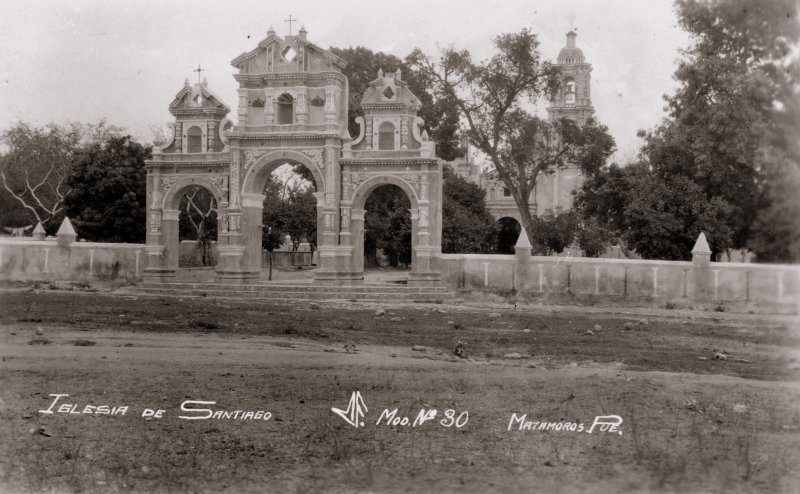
557 230
467 226
198 220
36 167
660 217
732 82
723 159
272 236
107 185
492 96
440 115
300 216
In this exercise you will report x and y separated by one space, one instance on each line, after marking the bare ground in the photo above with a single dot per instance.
690 425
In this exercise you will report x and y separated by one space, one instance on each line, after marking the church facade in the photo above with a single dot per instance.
292 109
553 190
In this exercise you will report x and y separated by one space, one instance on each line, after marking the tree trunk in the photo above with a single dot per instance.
523 205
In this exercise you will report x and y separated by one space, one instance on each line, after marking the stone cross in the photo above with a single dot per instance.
290 21
199 69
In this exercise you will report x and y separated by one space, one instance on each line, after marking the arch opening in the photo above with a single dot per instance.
388 228
197 227
507 235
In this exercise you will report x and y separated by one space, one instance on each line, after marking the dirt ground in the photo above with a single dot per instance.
690 422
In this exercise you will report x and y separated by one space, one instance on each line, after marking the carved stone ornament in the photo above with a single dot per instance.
423 217
330 107
224 217
155 221
316 156
357 179
167 183
345 218
251 156
234 222
218 180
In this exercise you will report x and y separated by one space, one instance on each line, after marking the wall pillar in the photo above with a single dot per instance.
701 270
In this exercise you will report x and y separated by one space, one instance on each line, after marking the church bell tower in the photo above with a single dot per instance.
573 99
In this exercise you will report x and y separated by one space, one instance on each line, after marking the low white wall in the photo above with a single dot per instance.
747 283
28 259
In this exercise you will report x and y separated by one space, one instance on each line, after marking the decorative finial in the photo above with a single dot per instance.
380 72
425 136
271 31
186 82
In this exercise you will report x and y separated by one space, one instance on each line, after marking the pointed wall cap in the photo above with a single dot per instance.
523 240
66 228
701 246
39 228
270 31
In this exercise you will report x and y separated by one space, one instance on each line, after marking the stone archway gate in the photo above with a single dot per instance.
234 160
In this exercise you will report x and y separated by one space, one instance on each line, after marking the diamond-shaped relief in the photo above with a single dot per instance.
388 92
288 53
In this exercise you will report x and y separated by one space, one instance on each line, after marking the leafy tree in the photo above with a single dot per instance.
272 236
493 97
467 226
440 115
592 238
660 217
300 217
36 166
556 230
723 160
107 197
731 81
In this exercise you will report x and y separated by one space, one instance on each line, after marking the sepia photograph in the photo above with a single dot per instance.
412 247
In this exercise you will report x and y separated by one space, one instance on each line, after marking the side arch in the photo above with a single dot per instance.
172 197
363 191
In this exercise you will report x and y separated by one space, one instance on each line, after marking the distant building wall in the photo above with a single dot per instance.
27 259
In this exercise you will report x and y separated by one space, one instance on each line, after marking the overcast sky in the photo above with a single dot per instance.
85 60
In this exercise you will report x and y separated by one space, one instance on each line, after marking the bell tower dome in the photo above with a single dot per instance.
573 99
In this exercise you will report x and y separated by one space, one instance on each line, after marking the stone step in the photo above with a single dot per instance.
298 288
376 295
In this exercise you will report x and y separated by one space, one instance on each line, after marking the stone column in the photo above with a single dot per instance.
242 106
229 245
269 107
357 239
300 108
252 230
330 104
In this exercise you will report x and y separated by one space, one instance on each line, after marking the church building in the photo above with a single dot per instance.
553 190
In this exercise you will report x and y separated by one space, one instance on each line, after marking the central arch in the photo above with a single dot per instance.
255 179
